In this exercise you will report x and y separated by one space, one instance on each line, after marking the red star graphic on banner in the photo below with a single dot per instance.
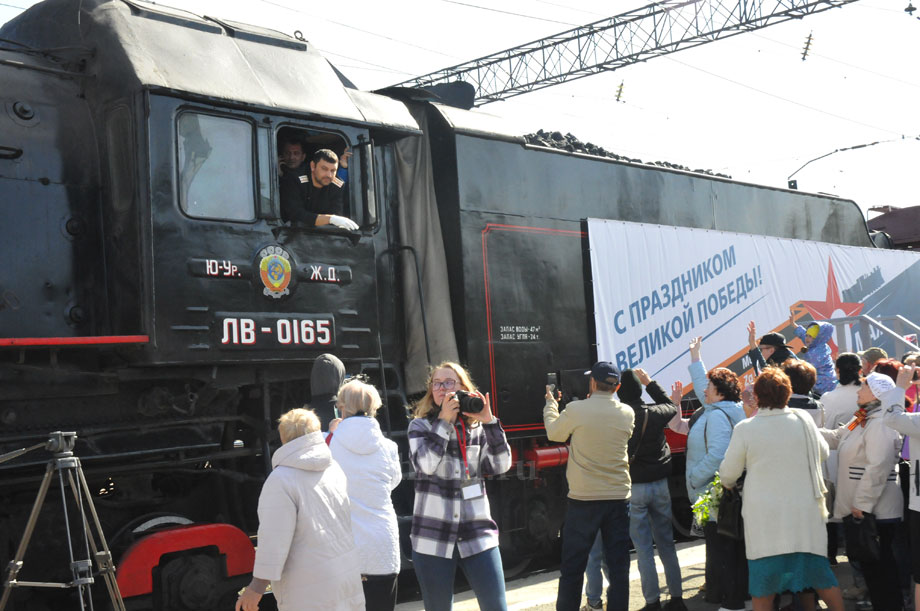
822 310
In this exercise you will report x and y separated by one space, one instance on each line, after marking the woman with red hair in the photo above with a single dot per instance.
781 450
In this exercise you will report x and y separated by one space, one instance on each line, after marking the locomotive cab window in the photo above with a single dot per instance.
216 178
314 185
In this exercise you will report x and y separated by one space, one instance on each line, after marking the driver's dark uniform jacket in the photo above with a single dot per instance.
302 202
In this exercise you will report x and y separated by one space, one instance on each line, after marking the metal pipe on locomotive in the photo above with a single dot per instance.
153 299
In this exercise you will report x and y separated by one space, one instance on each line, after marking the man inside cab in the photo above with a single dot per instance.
311 196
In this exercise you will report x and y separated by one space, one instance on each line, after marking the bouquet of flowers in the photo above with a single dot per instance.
706 507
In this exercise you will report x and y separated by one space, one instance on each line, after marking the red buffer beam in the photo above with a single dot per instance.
634 36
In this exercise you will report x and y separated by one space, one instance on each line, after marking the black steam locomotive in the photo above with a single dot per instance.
153 300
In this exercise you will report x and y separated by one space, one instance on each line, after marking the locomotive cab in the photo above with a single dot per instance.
231 280
164 309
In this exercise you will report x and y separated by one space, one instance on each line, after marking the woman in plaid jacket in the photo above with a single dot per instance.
451 450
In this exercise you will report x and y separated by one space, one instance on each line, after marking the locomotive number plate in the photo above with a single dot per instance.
276 330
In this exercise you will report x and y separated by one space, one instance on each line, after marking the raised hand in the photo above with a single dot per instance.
677 392
549 395
695 349
644 378
752 334
905 376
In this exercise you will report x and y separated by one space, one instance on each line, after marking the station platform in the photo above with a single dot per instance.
537 591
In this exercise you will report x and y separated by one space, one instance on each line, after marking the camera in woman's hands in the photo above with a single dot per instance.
469 404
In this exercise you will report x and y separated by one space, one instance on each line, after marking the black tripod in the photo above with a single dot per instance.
92 545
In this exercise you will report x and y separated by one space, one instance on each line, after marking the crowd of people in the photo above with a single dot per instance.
817 449
328 533
807 460
813 448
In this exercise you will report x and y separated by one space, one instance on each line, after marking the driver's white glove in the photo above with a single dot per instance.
343 222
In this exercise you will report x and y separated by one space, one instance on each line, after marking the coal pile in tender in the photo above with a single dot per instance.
570 143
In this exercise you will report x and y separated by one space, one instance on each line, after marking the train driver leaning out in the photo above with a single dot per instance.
312 196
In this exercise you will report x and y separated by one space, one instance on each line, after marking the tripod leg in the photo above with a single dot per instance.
81 570
104 562
16 564
89 542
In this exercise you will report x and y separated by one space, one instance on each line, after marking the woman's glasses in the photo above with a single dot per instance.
445 384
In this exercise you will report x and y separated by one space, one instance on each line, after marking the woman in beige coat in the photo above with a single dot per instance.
783 508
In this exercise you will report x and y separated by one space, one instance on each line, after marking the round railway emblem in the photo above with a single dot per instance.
275 271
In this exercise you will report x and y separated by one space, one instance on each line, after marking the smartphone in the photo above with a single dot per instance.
552 380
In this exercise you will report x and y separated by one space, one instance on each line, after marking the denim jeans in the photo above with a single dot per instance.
483 571
583 519
650 520
594 588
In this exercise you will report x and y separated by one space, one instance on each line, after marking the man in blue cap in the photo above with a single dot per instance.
599 485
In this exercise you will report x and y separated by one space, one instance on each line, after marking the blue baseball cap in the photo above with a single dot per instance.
604 372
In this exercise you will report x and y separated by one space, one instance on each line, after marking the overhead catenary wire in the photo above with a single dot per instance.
813 55
850 148
495 10
357 29
784 99
364 61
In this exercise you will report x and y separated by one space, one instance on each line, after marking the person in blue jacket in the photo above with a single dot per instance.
719 391
710 430
817 352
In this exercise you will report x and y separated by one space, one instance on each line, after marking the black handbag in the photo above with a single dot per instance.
861 538
730 523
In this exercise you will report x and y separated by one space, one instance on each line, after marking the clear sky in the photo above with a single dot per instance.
747 106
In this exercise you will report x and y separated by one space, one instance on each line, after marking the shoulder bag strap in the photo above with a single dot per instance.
641 435
706 426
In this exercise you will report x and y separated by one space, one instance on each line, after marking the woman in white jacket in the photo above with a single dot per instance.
839 407
371 464
306 549
784 511
867 482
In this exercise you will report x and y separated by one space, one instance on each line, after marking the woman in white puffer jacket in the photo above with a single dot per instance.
306 548
371 465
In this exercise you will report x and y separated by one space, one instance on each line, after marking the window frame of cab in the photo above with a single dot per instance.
347 136
255 179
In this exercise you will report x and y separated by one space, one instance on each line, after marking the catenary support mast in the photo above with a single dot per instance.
634 36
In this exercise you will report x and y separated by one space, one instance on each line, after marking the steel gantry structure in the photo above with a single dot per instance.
608 44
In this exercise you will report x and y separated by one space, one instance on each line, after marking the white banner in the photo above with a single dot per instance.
657 287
